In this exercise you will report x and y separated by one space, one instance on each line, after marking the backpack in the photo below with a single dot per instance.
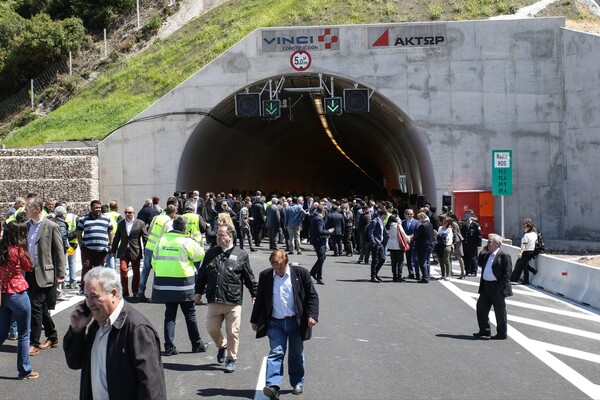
539 244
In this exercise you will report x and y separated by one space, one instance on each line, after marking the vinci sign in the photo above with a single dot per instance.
313 39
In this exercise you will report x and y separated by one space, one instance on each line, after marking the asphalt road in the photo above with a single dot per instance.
375 341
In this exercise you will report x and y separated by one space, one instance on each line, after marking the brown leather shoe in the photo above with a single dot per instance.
50 343
33 351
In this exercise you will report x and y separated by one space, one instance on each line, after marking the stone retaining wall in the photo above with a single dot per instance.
69 174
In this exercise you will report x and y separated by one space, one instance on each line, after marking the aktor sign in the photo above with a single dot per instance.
403 36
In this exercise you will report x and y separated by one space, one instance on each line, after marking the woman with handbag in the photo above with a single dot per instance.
398 244
14 262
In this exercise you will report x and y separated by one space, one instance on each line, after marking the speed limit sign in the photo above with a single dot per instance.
300 60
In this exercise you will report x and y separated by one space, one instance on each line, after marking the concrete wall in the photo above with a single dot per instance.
491 85
65 174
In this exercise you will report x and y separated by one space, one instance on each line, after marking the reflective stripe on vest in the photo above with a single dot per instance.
71 221
157 229
14 216
175 256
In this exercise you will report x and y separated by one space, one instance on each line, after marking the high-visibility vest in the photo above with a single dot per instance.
158 227
114 218
175 255
71 220
193 227
14 216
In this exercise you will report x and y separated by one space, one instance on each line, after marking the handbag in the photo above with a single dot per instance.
404 245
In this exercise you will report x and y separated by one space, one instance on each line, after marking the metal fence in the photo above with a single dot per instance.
84 60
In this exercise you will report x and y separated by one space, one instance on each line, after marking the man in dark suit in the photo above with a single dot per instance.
127 247
147 212
423 245
318 238
285 310
471 232
45 246
494 287
378 239
410 225
335 220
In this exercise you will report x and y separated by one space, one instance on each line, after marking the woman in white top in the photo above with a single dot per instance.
526 254
445 237
395 230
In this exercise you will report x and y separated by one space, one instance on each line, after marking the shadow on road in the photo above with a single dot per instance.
190 367
460 337
227 393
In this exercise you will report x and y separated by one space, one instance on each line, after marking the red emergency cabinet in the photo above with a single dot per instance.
482 204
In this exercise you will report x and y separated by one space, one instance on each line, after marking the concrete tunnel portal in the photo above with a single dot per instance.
375 153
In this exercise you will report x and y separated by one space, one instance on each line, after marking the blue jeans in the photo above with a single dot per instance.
71 265
423 257
189 312
110 261
19 307
282 331
145 271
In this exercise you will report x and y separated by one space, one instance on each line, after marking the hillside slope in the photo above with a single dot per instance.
129 86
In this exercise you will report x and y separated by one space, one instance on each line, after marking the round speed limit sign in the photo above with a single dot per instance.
300 60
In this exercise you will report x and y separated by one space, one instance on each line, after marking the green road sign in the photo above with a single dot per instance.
502 172
271 108
333 105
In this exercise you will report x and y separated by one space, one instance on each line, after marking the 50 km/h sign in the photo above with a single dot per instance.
502 172
300 60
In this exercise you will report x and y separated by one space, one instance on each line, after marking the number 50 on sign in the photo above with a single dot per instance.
502 172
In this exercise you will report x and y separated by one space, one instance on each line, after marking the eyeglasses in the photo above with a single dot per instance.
128 212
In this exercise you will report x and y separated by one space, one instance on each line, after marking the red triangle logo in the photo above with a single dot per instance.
384 39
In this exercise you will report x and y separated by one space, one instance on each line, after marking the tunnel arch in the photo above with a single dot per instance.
294 154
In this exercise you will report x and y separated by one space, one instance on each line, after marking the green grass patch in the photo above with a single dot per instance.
127 86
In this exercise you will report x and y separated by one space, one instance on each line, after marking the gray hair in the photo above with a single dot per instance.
60 211
495 238
180 223
108 279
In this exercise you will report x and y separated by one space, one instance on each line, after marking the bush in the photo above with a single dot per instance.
435 12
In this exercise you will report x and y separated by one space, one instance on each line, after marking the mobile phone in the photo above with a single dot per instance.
86 309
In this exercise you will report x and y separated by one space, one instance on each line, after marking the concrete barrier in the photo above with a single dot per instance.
575 281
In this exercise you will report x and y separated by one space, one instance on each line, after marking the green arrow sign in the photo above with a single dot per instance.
333 105
272 108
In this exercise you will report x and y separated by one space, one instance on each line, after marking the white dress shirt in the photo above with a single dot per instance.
283 295
488 274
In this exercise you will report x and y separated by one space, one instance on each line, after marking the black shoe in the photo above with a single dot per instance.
411 276
171 352
401 280
395 279
374 280
359 261
253 250
378 278
320 282
482 335
141 297
499 337
221 355
297 389
201 348
272 392
422 281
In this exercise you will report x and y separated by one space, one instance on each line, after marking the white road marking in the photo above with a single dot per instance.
534 347
567 351
260 384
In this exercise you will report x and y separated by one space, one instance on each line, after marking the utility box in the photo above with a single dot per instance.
482 204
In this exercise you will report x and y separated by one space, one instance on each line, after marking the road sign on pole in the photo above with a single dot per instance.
271 108
502 172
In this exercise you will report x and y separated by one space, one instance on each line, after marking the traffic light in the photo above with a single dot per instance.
247 105
271 109
356 100
332 105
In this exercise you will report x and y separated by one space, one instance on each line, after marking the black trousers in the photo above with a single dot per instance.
522 266
42 300
491 295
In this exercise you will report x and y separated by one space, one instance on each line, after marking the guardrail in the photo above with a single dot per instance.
572 280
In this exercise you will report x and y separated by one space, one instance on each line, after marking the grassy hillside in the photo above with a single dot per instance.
128 86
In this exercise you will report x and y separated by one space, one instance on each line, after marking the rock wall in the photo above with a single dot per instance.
69 174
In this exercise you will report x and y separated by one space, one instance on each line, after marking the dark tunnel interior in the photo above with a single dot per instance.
367 153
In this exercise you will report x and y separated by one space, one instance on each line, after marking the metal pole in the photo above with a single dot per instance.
105 45
502 216
32 96
70 63
137 5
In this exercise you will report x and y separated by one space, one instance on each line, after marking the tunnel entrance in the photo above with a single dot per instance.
377 153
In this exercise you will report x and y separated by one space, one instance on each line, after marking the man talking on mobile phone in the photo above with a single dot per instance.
119 355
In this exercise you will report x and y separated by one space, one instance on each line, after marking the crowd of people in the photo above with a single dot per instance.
37 263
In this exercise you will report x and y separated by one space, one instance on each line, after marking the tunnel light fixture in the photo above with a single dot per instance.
318 105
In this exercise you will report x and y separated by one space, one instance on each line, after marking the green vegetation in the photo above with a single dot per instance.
128 86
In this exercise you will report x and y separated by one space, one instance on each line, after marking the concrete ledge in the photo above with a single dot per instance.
572 280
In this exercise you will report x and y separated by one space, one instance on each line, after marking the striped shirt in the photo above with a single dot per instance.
95 232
